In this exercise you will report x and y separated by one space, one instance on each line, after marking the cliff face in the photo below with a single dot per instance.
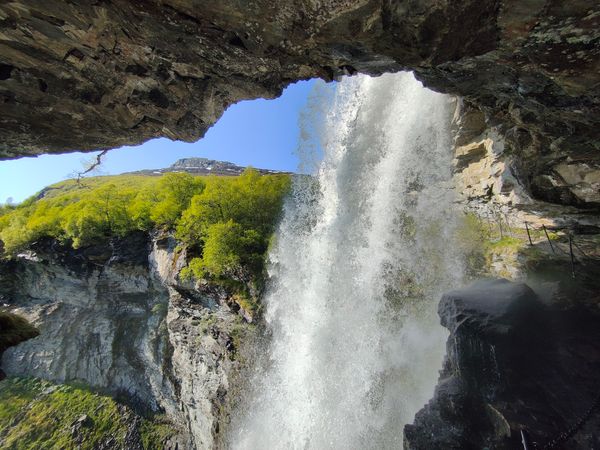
116 318
487 172
91 75
98 316
520 357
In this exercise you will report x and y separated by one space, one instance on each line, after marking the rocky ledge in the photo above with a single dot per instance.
100 74
513 363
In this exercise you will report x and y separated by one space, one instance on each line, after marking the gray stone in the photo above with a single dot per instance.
117 318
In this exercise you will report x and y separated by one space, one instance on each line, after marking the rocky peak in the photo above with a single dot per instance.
203 166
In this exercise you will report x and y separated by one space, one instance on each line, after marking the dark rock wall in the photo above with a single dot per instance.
78 75
513 363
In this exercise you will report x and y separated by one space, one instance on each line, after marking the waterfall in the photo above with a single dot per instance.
362 255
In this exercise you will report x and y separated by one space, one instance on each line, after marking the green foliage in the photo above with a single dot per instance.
176 192
5 209
70 212
155 432
102 214
36 414
224 247
233 220
160 309
507 242
227 221
490 249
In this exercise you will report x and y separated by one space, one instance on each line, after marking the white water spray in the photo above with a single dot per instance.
362 256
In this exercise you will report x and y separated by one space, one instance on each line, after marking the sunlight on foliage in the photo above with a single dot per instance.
227 220
36 414
233 220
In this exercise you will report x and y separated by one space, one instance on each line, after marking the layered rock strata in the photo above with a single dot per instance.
92 75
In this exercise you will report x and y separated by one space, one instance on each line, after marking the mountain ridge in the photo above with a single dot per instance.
204 166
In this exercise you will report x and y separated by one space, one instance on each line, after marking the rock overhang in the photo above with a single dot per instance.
97 75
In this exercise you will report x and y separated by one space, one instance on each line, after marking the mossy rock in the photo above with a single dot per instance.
505 253
36 414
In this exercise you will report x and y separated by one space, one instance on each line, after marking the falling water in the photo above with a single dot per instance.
363 253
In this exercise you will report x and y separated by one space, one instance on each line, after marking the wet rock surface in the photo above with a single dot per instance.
91 75
513 363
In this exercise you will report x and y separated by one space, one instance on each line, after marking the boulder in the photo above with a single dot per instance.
513 363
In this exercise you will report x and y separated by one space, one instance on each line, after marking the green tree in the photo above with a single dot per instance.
175 193
229 220
233 221
14 233
141 207
100 214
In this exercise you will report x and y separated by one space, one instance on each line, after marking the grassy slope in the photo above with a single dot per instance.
36 414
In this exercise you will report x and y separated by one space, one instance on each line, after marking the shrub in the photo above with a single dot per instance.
228 220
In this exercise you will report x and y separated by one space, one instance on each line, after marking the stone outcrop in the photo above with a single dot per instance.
513 363
486 178
208 337
93 75
117 318
203 166
517 358
98 311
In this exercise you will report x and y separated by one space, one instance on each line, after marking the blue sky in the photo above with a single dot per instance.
261 133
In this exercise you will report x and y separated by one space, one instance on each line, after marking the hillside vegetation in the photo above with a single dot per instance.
36 414
226 221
